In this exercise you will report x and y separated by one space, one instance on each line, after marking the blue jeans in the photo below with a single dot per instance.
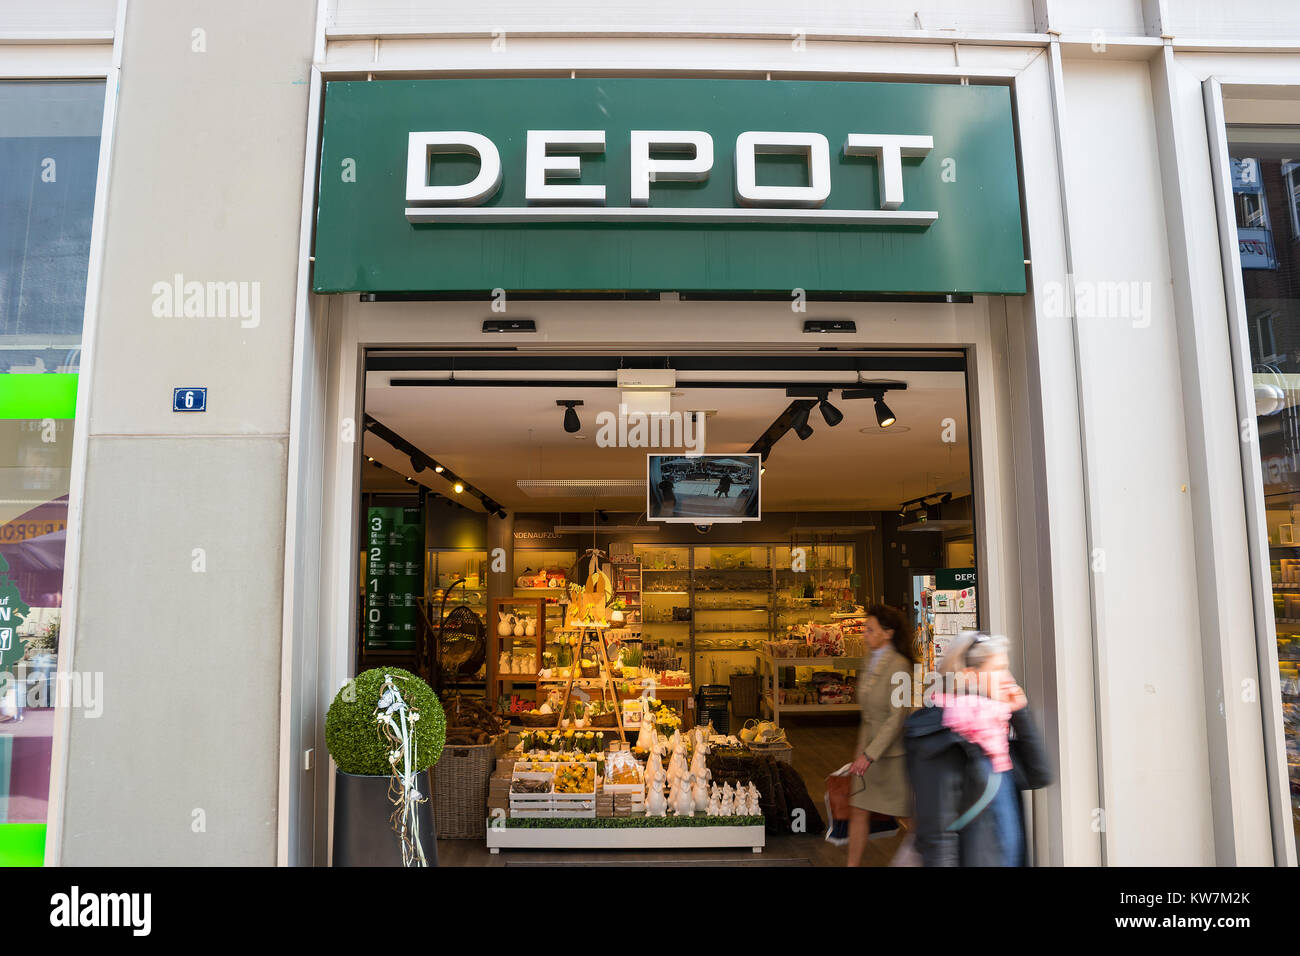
1006 809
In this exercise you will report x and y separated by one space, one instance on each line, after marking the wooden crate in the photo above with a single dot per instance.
552 804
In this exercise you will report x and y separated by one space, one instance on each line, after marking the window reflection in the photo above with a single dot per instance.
1266 197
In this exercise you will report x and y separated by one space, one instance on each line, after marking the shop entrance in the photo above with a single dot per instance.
581 543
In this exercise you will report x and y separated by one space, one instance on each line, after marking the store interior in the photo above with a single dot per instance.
498 492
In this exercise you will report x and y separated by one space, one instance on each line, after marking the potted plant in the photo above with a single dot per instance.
384 729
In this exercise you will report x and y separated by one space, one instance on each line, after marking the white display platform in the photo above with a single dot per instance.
624 838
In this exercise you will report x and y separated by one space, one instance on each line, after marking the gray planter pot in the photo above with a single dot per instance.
362 834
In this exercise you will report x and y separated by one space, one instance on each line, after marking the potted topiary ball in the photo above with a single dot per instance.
361 743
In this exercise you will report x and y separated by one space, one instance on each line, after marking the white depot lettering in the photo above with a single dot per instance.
540 163
421 146
889 152
557 154
814 147
646 170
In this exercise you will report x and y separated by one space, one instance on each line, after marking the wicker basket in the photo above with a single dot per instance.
545 721
459 784
604 720
592 671
781 750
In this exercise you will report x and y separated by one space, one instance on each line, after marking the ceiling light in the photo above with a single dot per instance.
571 422
439 469
800 424
830 413
458 487
418 463
884 417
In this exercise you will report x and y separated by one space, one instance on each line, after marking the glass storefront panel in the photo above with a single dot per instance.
49 156
1266 199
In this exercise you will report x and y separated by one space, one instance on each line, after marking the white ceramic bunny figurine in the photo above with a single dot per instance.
530 629
685 803
713 803
504 627
655 804
645 738
700 792
725 806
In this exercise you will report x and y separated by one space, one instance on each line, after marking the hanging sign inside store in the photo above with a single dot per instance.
668 185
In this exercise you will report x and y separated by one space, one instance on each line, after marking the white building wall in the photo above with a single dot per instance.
182 533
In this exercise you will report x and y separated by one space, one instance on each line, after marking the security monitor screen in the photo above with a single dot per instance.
703 489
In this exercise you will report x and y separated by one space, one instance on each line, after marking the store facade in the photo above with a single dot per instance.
1109 382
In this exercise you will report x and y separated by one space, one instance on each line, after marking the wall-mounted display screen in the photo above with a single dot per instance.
703 489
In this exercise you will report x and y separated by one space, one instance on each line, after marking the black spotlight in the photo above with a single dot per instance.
571 423
832 414
418 463
800 424
884 417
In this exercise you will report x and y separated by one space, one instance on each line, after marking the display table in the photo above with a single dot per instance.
769 667
629 837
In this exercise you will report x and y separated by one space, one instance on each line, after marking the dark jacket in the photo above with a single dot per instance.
949 774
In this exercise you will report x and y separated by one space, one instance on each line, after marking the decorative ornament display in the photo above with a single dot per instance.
530 629
726 805
519 627
505 626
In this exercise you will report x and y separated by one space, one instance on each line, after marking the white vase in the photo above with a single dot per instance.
503 628
531 629
519 627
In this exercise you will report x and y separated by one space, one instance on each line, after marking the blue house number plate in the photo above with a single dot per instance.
189 400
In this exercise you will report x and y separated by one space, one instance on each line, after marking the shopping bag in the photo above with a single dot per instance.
838 788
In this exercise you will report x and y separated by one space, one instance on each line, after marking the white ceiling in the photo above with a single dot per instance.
492 437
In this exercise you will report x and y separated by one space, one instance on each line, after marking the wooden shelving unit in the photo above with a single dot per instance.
498 644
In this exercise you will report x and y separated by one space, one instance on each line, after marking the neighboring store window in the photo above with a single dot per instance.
1268 224
49 156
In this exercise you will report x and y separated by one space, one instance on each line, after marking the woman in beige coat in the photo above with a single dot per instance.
884 694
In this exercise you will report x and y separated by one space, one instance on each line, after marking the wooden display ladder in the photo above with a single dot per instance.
607 692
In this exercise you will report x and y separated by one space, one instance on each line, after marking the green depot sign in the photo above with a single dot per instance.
667 185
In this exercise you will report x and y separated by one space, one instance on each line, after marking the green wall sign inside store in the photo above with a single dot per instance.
667 184
394 569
